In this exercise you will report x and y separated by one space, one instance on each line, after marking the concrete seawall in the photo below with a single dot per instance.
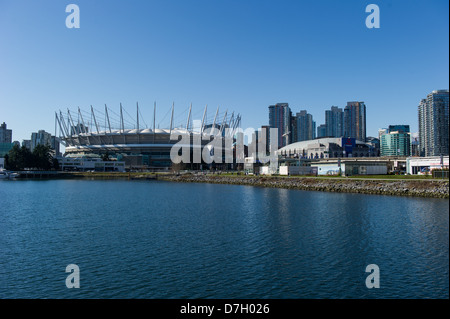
413 188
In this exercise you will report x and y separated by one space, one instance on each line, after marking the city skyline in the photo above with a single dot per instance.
327 129
241 56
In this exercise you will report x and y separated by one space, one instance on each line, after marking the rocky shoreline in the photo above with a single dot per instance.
413 188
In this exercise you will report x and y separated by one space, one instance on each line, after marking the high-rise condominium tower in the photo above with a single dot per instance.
433 124
355 120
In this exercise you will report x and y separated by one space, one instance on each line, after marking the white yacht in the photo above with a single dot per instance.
4 174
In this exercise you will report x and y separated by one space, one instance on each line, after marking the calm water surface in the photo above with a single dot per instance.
149 239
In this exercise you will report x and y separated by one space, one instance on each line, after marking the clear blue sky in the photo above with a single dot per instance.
240 54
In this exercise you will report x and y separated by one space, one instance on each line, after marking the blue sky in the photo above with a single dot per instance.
242 55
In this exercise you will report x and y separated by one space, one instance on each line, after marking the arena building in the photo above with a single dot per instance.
130 140
333 147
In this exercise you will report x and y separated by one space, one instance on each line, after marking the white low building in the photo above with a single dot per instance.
424 165
297 170
268 170
350 167
88 163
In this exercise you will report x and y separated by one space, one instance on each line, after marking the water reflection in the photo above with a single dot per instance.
168 240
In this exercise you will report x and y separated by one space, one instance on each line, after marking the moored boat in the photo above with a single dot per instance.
4 174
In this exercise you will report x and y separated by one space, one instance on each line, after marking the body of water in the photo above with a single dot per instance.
151 239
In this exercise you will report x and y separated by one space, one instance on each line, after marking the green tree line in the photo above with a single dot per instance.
20 158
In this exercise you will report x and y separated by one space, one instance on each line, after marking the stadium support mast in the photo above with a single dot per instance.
122 126
82 121
189 118
137 122
214 122
63 123
154 116
154 121
203 119
171 118
107 117
61 130
231 122
74 128
224 121
71 121
60 127
137 116
236 124
95 121
82 129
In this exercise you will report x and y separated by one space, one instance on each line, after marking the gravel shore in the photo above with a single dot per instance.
426 188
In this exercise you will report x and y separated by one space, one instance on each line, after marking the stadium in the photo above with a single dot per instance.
122 137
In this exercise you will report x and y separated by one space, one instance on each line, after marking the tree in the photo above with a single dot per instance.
6 161
42 157
19 158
